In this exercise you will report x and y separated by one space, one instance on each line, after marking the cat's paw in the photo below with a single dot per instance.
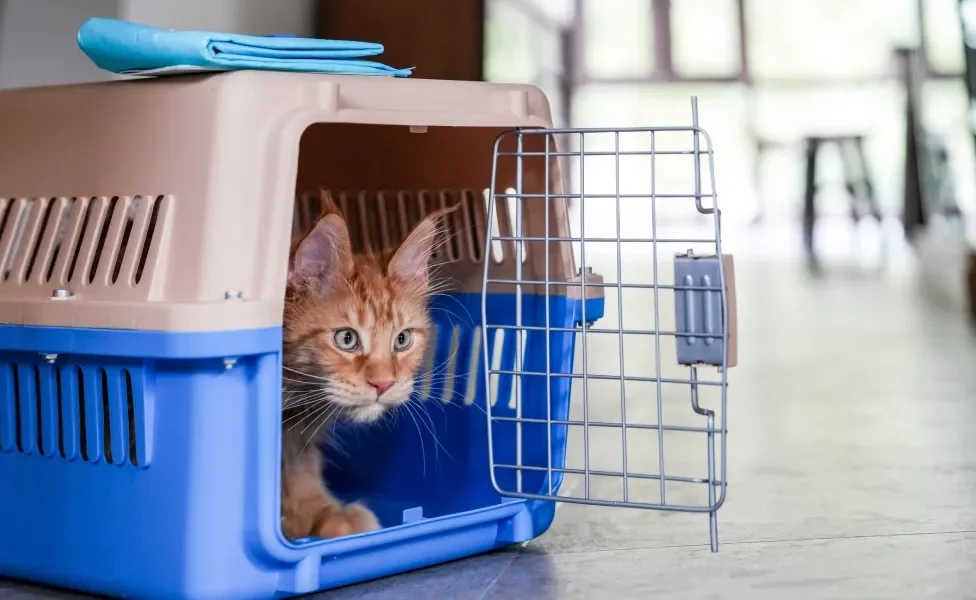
350 519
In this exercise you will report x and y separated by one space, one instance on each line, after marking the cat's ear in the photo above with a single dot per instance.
412 258
327 202
323 253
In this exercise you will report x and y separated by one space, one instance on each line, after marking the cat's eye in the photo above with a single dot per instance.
403 341
346 340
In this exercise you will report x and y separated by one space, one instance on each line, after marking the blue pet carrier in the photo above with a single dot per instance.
140 345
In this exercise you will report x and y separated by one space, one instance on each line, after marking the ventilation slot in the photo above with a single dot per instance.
38 235
473 221
380 221
394 220
65 211
452 226
516 221
370 226
474 367
103 227
497 246
442 383
423 390
495 341
86 208
81 240
92 413
148 240
16 236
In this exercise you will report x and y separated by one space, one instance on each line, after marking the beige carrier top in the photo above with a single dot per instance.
167 204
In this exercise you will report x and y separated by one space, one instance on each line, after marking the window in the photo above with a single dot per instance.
723 111
705 38
827 39
943 36
523 44
618 38
510 45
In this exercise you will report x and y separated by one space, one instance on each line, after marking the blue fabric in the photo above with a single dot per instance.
133 49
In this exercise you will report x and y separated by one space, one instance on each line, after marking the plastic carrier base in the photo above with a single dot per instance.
194 511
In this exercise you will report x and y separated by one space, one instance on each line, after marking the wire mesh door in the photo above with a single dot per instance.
608 312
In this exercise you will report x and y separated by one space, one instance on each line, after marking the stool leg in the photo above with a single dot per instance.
869 195
852 175
809 197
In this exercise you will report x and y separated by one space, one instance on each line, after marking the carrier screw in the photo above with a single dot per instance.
229 363
61 294
233 295
49 358
587 271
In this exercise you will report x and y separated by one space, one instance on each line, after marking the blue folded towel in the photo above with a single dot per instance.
133 49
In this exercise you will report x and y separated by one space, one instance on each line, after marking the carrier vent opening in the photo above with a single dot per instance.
80 240
73 412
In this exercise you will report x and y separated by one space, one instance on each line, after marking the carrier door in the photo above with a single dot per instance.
609 312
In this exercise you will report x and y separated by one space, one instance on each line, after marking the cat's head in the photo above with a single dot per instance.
356 326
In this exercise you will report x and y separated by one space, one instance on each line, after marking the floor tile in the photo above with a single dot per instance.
911 566
467 579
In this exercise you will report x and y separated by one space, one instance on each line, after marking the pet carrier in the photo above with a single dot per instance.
144 233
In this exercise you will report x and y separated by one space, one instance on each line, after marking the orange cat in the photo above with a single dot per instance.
355 332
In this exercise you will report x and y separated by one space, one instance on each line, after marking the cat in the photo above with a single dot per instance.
356 329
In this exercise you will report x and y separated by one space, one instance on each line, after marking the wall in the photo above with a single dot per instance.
257 17
38 45
37 37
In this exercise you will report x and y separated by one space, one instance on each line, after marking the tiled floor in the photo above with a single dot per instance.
852 469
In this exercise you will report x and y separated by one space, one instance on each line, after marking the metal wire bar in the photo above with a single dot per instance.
697 196
511 238
519 355
610 331
713 515
548 329
639 286
610 424
585 323
631 504
585 376
620 318
657 327
598 473
608 153
585 130
485 354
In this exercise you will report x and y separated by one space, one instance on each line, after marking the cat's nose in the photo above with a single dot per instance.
382 386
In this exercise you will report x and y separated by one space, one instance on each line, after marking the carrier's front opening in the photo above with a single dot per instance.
428 457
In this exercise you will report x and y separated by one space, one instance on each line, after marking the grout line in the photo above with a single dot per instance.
752 542
852 537
498 576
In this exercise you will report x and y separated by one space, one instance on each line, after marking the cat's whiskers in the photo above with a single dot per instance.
413 407
308 375
435 309
306 417
304 412
322 416
297 382
295 400
308 404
